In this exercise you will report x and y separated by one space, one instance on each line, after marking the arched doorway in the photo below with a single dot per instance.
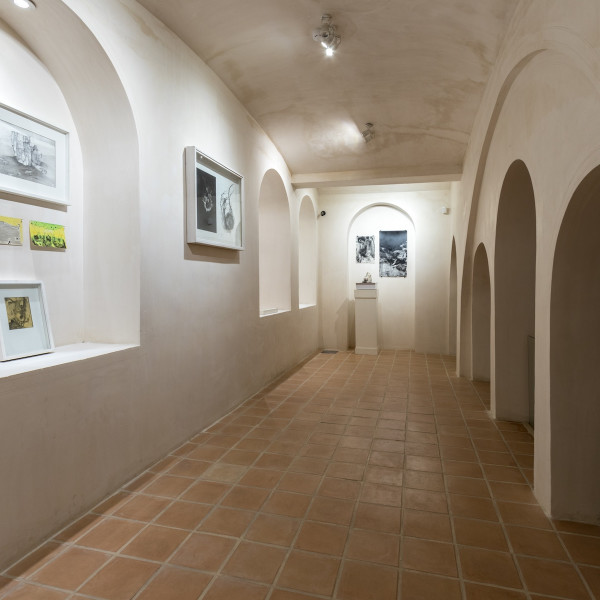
514 292
575 358
481 316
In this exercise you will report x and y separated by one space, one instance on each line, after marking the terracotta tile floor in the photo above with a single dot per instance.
355 478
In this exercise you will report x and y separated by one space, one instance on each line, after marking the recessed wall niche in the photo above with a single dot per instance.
274 246
396 302
307 253
93 288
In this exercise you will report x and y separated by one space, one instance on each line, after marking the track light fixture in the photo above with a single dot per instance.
327 35
368 133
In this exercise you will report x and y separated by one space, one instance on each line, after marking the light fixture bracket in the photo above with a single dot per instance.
326 35
368 133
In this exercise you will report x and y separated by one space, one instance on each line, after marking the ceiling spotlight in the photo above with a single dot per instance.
327 35
368 133
24 3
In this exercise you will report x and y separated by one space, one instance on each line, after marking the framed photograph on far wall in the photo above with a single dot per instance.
34 157
214 203
24 324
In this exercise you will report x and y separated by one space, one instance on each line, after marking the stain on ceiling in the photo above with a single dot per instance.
416 69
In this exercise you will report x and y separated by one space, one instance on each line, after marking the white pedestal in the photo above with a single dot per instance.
365 319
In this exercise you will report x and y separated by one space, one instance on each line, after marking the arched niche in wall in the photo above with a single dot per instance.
307 253
452 296
107 134
481 315
514 289
274 245
575 358
396 295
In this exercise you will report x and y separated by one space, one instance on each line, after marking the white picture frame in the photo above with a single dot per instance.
214 202
34 157
24 323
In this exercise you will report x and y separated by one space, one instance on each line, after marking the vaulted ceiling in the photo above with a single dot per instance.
416 69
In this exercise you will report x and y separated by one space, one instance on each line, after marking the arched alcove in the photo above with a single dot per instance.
514 290
307 253
274 245
107 134
396 295
452 307
481 315
574 358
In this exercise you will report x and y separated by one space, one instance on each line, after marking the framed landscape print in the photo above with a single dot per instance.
214 204
34 157
24 325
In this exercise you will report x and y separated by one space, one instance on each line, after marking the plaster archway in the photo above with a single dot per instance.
396 295
481 315
452 306
307 253
514 297
274 245
574 358
107 133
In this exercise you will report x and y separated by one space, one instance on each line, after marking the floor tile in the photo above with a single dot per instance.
244 497
373 546
203 551
225 588
535 542
378 518
110 534
142 508
70 569
227 521
287 503
428 556
420 586
255 562
184 515
331 510
172 583
552 578
489 566
584 549
32 592
155 543
307 572
120 579
359 581
322 537
427 525
482 534
273 529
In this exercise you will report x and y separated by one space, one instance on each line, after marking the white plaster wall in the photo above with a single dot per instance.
308 253
430 264
26 84
541 106
396 295
70 435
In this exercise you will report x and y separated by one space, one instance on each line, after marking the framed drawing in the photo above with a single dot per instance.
34 157
214 204
392 253
24 325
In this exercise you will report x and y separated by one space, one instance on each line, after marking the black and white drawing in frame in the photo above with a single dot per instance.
365 248
33 157
392 253
215 212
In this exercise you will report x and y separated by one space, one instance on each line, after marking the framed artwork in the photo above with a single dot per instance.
214 203
392 253
34 157
11 231
47 235
24 324
365 248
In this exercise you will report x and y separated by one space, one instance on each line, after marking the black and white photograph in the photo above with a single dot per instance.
214 207
27 155
34 157
206 191
392 253
365 248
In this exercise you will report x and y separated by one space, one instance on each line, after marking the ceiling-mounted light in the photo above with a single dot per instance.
368 133
24 3
327 35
